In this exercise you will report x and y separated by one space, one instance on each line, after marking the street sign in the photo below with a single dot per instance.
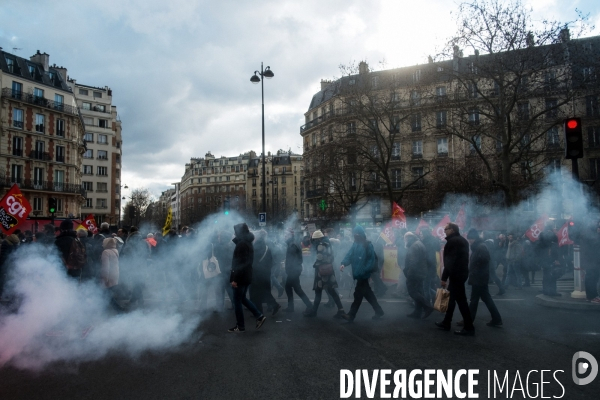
262 219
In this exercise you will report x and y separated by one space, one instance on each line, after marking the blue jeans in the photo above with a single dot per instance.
239 299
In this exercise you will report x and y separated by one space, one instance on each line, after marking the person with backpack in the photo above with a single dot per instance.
71 250
363 259
293 270
324 275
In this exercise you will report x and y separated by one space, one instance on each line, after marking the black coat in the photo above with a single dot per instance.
415 264
432 246
63 242
456 258
243 256
479 264
263 263
293 260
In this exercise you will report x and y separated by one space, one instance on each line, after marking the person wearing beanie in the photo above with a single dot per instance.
363 259
324 275
479 276
293 270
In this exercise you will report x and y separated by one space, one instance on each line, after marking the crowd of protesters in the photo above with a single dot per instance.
246 266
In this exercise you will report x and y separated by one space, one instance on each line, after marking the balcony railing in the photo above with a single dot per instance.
40 155
314 193
43 185
39 101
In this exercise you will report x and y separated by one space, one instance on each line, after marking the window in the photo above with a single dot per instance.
88 170
97 95
395 97
441 118
442 146
440 93
16 173
374 151
17 90
416 76
396 178
477 140
591 106
474 116
12 66
60 153
38 95
100 108
351 128
18 118
102 139
594 168
88 154
395 124
59 101
416 122
551 108
593 136
88 203
101 187
102 155
415 98
496 90
396 151
40 147
59 180
550 79
553 139
39 123
417 172
523 83
88 137
89 186
417 148
373 125
37 204
83 92
103 123
60 127
17 147
86 106
102 171
283 181
554 165
472 90
88 121
375 82
38 177
101 203
523 111
59 204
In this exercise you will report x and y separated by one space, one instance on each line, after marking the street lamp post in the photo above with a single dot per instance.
120 204
267 73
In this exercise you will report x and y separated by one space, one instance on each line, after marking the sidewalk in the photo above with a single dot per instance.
566 302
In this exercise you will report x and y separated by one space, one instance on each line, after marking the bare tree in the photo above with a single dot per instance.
141 199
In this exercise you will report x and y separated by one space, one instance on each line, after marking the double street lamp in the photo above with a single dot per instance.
267 73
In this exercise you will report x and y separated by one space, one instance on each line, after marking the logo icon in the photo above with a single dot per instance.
580 367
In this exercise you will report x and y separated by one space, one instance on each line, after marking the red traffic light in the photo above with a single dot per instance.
572 124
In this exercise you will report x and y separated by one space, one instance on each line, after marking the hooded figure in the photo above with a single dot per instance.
109 271
260 291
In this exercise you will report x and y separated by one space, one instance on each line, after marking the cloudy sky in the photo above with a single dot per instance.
180 69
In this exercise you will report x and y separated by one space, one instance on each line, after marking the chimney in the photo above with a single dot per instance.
62 71
565 35
363 68
324 83
43 59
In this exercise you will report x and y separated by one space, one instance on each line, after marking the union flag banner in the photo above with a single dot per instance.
387 234
438 231
533 233
461 218
563 235
14 209
168 221
390 271
89 223
398 217
422 224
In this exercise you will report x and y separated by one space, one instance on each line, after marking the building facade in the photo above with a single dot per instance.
41 133
101 164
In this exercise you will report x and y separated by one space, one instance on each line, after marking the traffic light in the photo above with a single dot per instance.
52 205
573 138
226 207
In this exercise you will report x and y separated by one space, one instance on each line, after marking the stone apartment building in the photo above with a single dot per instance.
284 192
101 163
433 119
210 181
41 134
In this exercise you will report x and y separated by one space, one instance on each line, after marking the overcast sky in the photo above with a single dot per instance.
180 69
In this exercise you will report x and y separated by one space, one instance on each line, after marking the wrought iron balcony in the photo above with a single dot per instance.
34 184
38 101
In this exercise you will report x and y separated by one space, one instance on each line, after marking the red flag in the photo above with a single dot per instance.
388 234
563 235
438 231
422 224
533 233
461 218
90 224
398 217
14 209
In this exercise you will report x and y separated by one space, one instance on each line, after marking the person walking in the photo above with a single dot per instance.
71 250
493 250
364 261
260 290
416 270
223 251
479 276
109 269
514 258
456 268
293 270
241 277
324 275
432 248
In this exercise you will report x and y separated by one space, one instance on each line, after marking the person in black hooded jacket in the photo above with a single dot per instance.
63 242
241 277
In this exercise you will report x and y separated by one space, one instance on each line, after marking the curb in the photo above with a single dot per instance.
553 302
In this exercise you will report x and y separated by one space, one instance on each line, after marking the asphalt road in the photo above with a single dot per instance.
293 357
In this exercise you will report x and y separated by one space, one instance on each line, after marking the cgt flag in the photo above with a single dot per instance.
461 218
89 223
168 221
422 224
533 233
387 234
563 235
438 231
14 209
398 217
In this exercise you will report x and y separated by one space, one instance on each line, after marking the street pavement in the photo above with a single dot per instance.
294 357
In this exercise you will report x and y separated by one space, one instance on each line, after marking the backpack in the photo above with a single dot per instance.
77 255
